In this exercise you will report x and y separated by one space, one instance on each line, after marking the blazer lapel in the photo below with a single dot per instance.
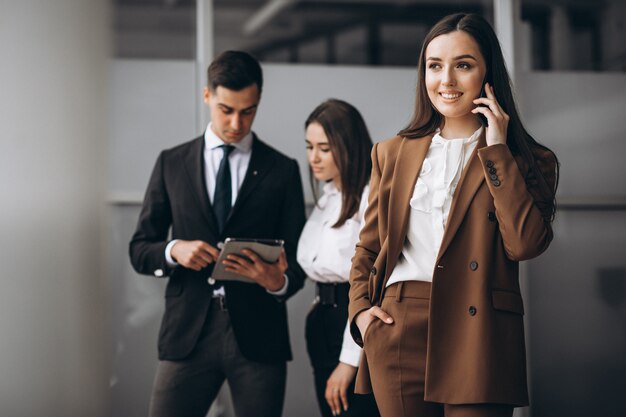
471 179
193 163
411 154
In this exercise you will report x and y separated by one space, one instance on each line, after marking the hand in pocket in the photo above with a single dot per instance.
365 318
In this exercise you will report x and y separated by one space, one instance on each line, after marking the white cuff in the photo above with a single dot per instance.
350 351
168 254
283 290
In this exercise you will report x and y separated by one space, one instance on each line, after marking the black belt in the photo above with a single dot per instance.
332 294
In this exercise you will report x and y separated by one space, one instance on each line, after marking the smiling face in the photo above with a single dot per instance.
320 156
232 112
455 72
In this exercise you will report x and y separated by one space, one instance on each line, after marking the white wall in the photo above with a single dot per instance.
53 318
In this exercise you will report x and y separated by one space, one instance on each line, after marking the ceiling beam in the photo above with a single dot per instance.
264 15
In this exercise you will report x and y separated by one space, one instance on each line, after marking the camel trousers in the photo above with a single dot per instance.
396 356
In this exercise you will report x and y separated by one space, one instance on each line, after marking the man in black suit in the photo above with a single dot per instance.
226 183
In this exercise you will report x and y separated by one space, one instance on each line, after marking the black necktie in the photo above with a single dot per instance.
222 199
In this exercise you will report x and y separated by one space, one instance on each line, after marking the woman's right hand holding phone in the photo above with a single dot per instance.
366 317
497 119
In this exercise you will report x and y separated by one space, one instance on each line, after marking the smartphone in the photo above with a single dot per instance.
482 118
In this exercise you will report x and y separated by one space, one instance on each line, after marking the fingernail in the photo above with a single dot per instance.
389 320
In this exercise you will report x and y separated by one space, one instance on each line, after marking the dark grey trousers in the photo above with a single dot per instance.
187 388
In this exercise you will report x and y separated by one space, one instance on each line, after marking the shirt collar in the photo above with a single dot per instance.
330 189
212 141
473 138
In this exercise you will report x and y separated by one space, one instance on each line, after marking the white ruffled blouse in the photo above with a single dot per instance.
430 206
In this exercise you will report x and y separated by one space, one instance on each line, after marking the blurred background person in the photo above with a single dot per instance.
206 190
338 147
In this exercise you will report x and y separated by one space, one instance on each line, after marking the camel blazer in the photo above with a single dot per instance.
476 351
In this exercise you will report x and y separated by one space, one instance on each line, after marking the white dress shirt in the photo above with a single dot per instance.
325 253
239 160
430 206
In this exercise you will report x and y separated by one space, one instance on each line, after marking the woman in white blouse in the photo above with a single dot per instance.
456 201
338 150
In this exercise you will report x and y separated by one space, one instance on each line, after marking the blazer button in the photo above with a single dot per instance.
491 216
211 281
472 311
493 177
473 265
496 183
489 163
158 273
373 270
492 170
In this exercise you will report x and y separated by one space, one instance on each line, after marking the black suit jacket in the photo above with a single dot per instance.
270 204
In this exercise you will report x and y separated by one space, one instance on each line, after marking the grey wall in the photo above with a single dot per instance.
576 292
53 303
152 107
581 117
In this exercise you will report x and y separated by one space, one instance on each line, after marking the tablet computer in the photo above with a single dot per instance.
267 249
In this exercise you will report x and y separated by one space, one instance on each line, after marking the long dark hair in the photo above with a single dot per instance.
350 145
426 119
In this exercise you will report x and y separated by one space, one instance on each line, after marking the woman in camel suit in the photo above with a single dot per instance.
456 200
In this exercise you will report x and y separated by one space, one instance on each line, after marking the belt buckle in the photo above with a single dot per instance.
222 301
326 294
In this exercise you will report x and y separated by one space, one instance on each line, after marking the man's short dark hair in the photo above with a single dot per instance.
234 70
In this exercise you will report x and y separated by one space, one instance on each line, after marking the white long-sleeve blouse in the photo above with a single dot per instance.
325 253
